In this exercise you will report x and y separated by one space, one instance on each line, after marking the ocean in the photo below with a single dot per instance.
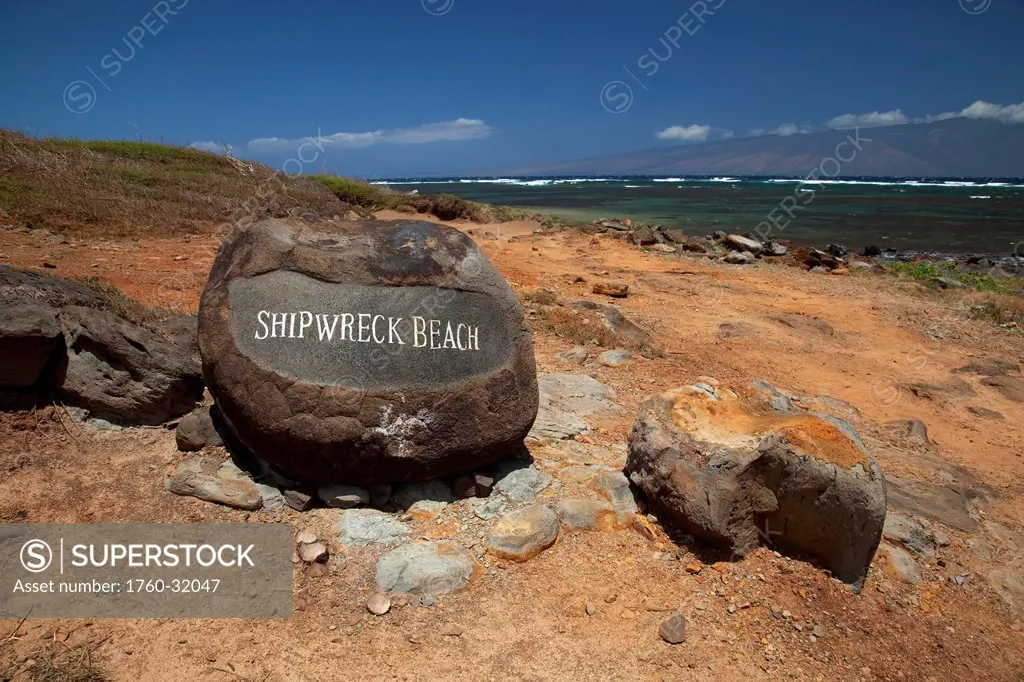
909 215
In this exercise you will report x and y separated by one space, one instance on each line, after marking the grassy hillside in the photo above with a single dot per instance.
128 187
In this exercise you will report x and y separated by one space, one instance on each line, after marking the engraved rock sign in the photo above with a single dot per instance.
378 351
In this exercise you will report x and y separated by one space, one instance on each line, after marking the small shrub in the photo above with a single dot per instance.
540 296
577 327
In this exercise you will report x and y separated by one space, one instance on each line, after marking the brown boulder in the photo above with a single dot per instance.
377 351
722 465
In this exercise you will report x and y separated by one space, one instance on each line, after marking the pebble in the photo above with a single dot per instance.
673 629
378 604
732 608
591 609
315 552
610 598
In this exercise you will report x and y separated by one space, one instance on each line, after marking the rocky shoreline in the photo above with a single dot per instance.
746 248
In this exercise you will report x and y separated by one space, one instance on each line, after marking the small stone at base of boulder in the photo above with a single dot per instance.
343 496
524 533
212 480
484 484
298 500
196 430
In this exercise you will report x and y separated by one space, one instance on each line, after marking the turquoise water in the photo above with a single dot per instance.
953 216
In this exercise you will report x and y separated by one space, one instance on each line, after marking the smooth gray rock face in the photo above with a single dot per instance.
358 354
580 514
429 569
388 340
363 527
273 499
614 487
524 533
520 481
197 430
29 333
903 563
123 372
910 533
216 481
565 399
729 469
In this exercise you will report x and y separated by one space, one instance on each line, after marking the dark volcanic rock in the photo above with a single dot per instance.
121 371
197 430
26 285
368 353
29 334
723 466
644 236
66 339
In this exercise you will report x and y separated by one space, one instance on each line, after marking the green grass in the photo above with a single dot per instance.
928 270
357 193
150 152
11 194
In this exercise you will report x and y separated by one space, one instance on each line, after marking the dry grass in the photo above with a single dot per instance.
539 296
577 326
127 307
57 663
1005 310
131 188
126 188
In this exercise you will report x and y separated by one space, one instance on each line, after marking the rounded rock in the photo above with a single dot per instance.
524 533
378 604
358 353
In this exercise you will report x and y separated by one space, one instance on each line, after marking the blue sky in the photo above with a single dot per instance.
410 87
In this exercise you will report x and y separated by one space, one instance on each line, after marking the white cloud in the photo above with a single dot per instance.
693 133
444 131
875 119
214 147
787 129
757 132
1010 113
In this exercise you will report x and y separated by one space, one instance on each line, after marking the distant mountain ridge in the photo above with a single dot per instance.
952 148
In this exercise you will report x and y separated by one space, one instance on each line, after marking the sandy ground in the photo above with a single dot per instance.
869 340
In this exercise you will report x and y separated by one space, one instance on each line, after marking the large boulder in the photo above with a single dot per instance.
369 353
724 466
29 333
29 330
127 373
64 338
